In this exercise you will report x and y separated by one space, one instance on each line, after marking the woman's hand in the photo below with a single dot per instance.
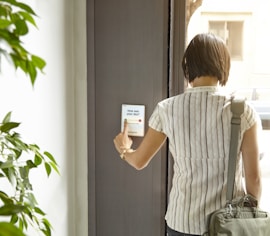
140 157
122 141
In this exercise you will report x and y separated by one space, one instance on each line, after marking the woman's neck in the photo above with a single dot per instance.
204 81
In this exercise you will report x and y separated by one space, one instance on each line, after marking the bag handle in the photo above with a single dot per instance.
237 109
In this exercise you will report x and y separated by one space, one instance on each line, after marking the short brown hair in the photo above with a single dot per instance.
206 55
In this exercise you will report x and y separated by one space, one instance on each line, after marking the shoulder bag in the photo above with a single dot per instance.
241 216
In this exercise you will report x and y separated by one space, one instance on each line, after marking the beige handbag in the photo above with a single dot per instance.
240 217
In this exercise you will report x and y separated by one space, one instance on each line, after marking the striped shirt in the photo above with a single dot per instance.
197 124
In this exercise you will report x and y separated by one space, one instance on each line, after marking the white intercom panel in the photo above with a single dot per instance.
135 117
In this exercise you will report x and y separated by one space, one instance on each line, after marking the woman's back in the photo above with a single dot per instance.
197 124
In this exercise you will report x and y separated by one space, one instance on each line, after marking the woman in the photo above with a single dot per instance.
197 125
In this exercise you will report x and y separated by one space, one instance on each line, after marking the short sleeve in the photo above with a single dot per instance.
155 120
250 117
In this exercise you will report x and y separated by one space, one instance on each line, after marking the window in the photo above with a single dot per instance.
244 27
232 33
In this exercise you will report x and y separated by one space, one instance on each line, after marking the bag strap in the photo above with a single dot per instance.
237 109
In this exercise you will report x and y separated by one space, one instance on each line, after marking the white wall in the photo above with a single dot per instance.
54 113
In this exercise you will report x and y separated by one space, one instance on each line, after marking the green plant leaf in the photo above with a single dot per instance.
11 209
32 71
5 198
14 219
6 164
19 61
24 172
30 164
31 202
8 229
27 17
47 230
20 5
34 148
5 10
55 167
38 62
48 168
7 118
4 53
39 211
6 127
5 171
10 38
11 176
17 153
17 142
4 23
21 27
23 222
50 156
37 160
14 23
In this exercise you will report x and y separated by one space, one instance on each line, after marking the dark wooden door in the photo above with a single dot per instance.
127 63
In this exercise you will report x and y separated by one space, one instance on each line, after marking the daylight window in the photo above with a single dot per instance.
232 33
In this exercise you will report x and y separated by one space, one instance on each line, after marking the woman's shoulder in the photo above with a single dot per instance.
167 102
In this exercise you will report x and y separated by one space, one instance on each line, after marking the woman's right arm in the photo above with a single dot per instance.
251 157
149 146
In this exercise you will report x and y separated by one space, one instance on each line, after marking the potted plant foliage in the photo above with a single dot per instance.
19 209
